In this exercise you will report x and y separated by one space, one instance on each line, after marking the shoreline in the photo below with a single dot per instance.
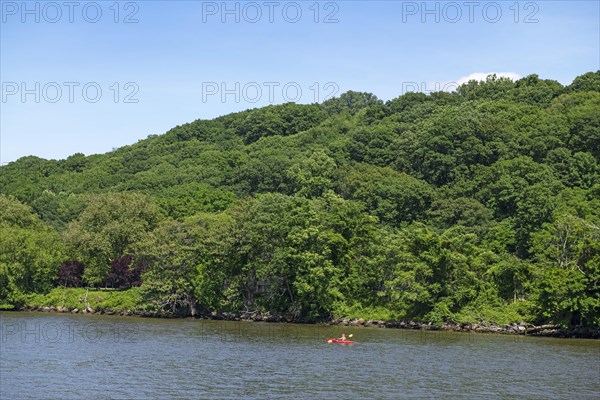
521 329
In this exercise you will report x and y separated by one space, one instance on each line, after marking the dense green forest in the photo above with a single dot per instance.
481 205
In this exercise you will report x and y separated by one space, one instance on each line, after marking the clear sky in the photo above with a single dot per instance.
86 77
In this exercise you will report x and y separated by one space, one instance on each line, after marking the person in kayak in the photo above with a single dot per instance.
343 337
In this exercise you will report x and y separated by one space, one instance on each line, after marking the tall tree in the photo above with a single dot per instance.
107 228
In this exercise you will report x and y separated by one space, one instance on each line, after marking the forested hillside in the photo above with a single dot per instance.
481 205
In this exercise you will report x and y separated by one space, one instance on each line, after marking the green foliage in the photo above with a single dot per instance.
391 196
351 102
15 214
492 312
312 177
97 299
480 205
463 211
107 229
588 82
57 210
581 112
286 119
170 252
568 250
30 253
186 200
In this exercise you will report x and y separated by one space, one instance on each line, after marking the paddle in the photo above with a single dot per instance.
331 340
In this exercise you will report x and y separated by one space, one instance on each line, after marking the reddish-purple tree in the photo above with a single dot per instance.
70 273
118 277
123 275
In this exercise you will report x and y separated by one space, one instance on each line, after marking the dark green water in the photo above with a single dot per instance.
57 356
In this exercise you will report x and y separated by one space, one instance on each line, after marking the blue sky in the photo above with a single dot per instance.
74 80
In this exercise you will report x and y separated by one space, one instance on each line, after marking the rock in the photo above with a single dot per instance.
257 317
452 327
75 310
273 318
549 327
435 327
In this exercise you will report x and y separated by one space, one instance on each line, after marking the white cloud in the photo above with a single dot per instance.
481 76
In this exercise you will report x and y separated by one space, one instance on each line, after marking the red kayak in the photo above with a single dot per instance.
331 340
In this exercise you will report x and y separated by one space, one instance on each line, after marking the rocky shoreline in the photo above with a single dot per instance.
521 328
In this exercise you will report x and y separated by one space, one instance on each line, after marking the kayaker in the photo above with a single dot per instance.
343 337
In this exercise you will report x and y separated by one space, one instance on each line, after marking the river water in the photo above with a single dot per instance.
64 356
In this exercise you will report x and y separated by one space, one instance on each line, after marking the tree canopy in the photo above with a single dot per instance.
479 205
